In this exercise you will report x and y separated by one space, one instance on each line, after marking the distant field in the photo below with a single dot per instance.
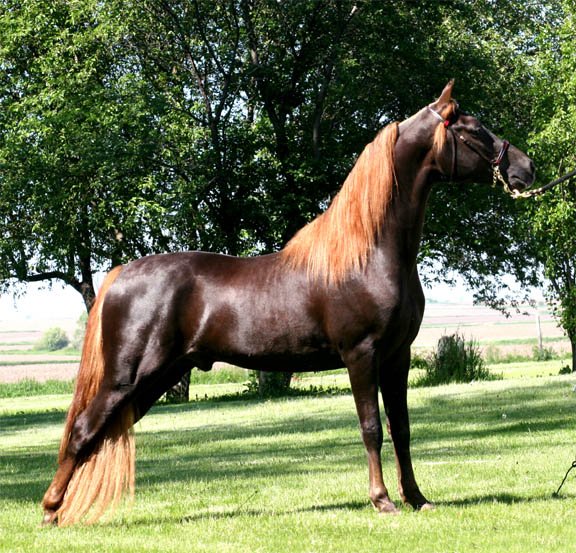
19 361
517 334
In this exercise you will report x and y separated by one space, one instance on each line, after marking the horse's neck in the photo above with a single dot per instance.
402 232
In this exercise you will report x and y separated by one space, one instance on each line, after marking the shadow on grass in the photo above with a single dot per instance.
240 451
509 410
21 421
233 512
241 511
25 476
502 499
210 453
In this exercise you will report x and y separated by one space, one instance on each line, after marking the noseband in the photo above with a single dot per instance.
494 162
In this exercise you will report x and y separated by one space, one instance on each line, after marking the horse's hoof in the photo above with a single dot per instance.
386 507
389 511
426 507
49 518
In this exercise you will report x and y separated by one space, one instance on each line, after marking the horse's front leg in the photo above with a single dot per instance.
364 382
394 387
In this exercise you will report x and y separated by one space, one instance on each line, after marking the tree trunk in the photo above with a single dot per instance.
180 392
573 346
88 294
273 383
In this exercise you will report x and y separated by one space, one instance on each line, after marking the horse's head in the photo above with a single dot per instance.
465 150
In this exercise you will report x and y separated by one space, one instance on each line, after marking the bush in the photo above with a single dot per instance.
455 360
79 331
566 369
53 339
419 362
543 354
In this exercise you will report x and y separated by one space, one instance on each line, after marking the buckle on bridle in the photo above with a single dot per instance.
503 149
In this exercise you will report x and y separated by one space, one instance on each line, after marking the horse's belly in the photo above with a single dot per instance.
273 340
318 361
283 346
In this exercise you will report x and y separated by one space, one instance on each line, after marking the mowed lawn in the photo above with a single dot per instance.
290 475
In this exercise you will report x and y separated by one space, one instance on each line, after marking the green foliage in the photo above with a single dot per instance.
493 355
79 332
129 128
53 339
566 369
455 360
551 220
542 354
29 388
419 362
268 384
135 127
222 374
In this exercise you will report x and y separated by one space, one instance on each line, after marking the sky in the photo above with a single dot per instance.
39 303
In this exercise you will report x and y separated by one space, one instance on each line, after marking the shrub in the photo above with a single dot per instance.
80 331
542 354
455 360
566 369
53 339
419 362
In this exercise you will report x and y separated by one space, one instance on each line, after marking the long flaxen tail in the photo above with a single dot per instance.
99 480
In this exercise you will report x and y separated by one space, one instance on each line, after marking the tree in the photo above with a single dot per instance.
76 147
551 219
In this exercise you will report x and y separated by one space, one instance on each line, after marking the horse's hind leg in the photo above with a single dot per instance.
124 396
55 493
84 436
363 379
394 386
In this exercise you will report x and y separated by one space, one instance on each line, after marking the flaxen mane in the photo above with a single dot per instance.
339 241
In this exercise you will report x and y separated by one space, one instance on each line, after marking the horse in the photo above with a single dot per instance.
344 291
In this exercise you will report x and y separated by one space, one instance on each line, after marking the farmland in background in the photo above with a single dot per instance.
20 361
513 335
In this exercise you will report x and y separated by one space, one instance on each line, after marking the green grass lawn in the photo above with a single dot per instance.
290 475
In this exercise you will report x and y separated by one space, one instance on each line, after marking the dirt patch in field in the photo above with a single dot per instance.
27 364
40 373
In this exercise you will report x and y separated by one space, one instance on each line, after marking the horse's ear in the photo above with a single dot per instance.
446 95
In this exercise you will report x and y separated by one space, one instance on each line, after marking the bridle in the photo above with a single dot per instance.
493 162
